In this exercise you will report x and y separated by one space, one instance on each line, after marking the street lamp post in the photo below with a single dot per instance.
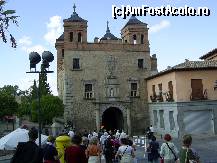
34 59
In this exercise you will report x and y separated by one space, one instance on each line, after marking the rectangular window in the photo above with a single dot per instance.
88 92
170 91
76 64
62 53
153 90
161 113
197 89
140 63
171 119
155 118
160 87
71 36
134 89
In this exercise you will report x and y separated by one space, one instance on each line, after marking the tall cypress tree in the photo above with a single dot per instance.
34 91
44 86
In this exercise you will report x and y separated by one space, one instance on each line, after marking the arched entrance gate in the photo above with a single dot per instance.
112 118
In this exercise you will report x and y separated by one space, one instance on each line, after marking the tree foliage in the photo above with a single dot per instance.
51 106
44 85
8 105
6 18
10 90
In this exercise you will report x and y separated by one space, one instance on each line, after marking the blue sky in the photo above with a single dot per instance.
173 39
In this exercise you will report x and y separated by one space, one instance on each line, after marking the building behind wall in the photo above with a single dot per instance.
102 83
183 99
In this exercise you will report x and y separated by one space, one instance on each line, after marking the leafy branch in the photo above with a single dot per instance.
6 18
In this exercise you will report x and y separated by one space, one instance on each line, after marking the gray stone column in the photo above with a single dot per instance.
129 120
97 117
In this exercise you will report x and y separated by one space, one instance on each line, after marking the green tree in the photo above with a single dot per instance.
44 86
10 90
51 106
6 18
8 105
33 91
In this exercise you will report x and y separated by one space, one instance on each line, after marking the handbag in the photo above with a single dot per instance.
175 157
161 160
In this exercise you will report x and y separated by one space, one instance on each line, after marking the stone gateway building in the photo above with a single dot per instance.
102 83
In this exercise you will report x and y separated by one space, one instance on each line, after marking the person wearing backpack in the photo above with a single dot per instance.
152 149
187 154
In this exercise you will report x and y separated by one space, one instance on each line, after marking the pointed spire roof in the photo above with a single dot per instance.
74 17
134 21
109 35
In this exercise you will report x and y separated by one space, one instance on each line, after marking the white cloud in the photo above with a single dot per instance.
55 29
26 45
35 48
25 41
157 27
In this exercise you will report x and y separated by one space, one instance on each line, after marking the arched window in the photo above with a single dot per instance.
134 39
79 37
71 36
142 39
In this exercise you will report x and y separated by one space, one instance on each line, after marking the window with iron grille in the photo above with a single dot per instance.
88 92
76 64
140 63
134 89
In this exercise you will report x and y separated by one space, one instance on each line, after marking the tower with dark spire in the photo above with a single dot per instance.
75 28
135 32
109 37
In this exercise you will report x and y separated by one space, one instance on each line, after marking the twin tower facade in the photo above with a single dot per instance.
102 83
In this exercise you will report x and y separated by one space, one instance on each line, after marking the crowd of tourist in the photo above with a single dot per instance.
92 147
83 148
168 152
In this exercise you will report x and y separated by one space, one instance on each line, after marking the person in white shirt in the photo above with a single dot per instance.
117 135
102 139
71 133
95 134
123 135
151 131
125 151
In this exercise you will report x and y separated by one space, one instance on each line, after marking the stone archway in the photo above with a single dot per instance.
112 118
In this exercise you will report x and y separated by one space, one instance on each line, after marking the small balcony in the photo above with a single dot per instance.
89 95
157 98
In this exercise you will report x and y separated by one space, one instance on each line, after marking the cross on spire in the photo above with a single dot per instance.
107 31
74 7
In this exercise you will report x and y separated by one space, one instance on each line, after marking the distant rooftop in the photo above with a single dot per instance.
61 38
209 54
133 21
109 35
188 66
